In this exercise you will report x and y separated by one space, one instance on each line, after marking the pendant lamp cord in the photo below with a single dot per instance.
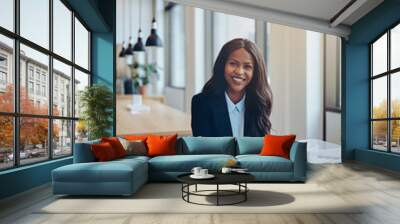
154 9
123 20
130 17
140 15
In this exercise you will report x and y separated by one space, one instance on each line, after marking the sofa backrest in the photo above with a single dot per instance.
206 145
249 145
83 152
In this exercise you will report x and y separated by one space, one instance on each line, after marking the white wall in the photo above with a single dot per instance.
287 72
294 69
333 127
175 98
314 85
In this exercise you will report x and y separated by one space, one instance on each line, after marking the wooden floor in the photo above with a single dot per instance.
378 188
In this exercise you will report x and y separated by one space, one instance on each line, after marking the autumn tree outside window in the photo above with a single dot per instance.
385 91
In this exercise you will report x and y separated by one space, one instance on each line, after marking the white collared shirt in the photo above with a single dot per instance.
236 115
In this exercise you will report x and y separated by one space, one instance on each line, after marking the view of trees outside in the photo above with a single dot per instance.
62 144
380 89
6 141
33 137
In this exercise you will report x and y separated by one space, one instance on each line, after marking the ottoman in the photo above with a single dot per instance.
119 177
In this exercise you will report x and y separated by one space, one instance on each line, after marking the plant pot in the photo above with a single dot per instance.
143 90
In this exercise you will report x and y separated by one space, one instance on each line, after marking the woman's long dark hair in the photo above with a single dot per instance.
258 92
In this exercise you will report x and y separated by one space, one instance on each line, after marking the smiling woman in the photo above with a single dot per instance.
237 100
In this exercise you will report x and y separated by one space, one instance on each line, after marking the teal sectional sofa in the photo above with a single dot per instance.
125 176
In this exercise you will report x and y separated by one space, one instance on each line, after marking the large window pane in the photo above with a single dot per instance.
395 136
35 21
34 77
81 81
6 74
33 139
379 56
6 142
62 89
81 45
62 138
7 14
228 27
395 47
81 131
379 135
379 98
177 48
395 94
62 29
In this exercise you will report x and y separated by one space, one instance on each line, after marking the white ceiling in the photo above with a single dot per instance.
315 15
321 9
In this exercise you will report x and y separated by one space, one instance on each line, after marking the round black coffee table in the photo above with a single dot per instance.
238 179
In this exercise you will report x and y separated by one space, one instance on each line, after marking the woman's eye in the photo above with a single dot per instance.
248 67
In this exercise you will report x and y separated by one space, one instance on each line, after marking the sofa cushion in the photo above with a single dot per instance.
116 145
111 171
159 145
275 145
134 147
103 152
135 137
83 152
185 163
132 158
257 163
249 145
208 145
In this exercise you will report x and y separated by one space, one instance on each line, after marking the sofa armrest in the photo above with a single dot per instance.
298 155
83 152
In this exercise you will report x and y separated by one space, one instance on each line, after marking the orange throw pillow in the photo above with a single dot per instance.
116 145
277 145
103 152
161 145
135 137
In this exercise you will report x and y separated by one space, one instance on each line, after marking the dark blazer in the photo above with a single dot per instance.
210 117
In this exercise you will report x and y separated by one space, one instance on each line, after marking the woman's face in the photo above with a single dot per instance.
239 70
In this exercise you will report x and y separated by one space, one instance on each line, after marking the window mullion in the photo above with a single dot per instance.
50 81
371 92
16 83
389 77
73 82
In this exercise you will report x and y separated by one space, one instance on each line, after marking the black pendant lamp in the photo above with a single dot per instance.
139 43
129 52
122 53
153 40
129 49
139 47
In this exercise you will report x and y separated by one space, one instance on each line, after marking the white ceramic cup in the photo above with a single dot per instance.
226 170
196 171
203 172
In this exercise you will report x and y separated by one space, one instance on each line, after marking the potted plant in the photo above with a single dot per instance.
96 102
142 79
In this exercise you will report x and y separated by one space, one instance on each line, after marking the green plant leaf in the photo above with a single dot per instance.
96 102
